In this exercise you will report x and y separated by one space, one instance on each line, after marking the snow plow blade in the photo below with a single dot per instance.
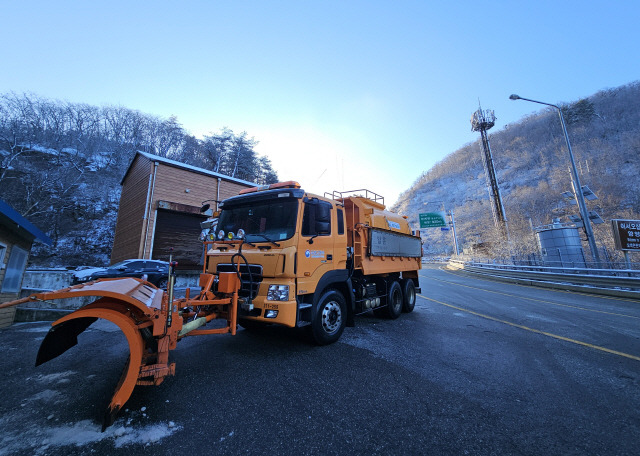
61 338
63 335
151 326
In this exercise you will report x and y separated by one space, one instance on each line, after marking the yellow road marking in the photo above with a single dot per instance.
537 331
531 299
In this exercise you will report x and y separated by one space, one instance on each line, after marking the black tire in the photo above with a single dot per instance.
330 318
162 283
408 296
393 309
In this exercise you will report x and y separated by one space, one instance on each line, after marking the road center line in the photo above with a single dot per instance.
530 299
537 331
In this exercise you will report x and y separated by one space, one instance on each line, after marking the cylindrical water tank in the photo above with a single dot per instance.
560 245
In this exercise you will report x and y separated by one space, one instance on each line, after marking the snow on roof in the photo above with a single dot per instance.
7 212
195 169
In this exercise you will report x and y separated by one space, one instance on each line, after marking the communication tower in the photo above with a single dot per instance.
482 121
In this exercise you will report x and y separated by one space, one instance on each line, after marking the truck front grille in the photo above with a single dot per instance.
249 283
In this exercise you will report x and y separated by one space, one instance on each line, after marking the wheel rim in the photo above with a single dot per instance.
396 300
331 317
411 296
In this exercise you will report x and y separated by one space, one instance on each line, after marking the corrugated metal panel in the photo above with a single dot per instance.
386 243
181 232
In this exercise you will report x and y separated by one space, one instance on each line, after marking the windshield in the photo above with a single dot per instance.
261 221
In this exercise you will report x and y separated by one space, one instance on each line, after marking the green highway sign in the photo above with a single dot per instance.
433 220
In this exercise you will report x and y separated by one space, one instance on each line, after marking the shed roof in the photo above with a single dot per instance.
177 164
10 217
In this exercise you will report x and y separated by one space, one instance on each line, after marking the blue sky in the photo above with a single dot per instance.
341 94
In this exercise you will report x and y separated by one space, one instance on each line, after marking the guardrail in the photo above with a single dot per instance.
601 278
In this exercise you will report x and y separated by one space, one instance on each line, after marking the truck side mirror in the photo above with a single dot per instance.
323 219
323 213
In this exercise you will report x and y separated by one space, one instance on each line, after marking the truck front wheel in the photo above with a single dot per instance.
330 318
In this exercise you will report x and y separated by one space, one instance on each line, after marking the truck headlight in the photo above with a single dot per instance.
278 293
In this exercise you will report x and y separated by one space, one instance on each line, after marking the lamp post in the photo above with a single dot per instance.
577 187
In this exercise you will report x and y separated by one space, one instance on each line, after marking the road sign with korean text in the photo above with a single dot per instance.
433 220
626 234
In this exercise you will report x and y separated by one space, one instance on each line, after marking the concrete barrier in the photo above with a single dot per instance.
47 279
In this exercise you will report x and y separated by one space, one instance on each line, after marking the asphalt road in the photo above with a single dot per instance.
479 367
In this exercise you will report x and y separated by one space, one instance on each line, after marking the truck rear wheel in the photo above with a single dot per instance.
408 296
393 309
330 318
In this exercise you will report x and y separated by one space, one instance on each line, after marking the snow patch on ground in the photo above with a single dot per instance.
45 440
145 435
60 377
47 396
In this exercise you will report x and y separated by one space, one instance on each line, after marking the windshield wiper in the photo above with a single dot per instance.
264 237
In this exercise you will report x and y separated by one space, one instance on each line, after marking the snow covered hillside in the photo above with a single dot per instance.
532 166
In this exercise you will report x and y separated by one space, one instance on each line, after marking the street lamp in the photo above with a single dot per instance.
577 187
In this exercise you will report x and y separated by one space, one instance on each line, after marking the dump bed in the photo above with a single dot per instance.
382 241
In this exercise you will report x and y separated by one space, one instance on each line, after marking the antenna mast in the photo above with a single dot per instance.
482 121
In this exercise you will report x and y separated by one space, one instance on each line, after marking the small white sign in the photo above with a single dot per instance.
392 224
314 254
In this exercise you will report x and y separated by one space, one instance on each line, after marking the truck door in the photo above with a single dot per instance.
316 242
340 241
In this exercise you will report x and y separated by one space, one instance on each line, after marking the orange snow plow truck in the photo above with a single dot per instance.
307 260
273 255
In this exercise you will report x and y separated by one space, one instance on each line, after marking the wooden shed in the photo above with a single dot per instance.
160 209
17 235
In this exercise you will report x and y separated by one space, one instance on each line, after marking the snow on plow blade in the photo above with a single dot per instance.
150 325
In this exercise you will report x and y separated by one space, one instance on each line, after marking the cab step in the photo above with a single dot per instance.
304 314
